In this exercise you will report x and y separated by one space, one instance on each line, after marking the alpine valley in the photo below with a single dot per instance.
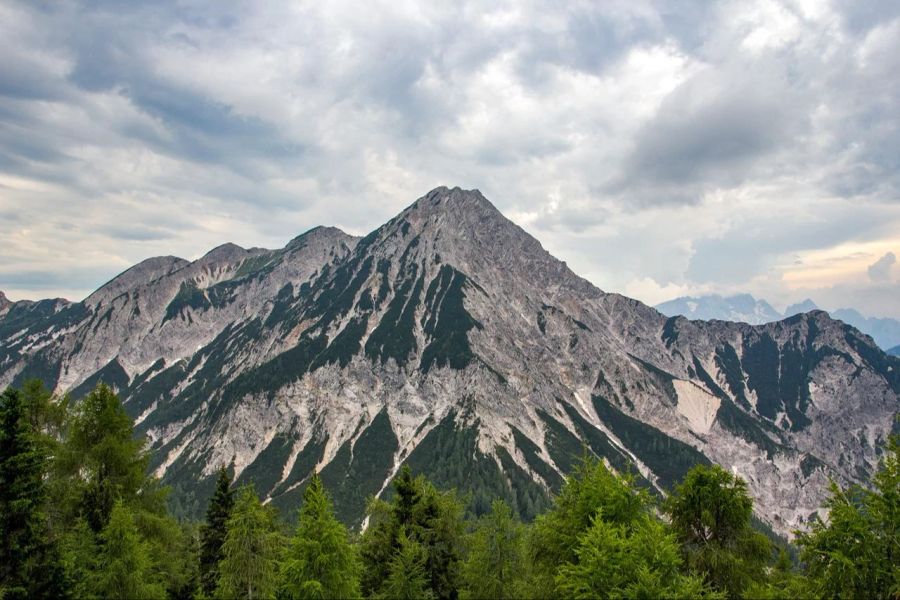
450 340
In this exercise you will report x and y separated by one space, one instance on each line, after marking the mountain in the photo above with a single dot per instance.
450 340
745 308
742 308
885 332
895 351
801 307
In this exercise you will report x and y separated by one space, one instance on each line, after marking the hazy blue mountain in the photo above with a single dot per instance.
742 308
450 340
801 307
885 332
745 308
895 351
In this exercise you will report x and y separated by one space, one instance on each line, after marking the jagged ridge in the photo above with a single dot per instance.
451 340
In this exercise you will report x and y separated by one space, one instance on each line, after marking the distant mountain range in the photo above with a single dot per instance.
449 340
744 308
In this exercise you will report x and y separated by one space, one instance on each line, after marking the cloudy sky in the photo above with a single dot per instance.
660 148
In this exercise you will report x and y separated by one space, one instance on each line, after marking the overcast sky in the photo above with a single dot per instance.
660 148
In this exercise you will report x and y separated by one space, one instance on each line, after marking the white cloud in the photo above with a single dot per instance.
657 147
880 270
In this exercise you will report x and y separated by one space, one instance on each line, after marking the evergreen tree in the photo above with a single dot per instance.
495 564
45 414
212 533
29 562
124 567
782 583
407 578
591 492
430 518
856 553
636 560
252 548
320 563
711 516
105 463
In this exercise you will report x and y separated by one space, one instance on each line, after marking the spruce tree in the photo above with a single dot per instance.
29 562
252 548
495 565
124 567
212 533
711 516
321 563
407 577
430 518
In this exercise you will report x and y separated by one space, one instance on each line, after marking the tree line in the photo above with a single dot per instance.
81 516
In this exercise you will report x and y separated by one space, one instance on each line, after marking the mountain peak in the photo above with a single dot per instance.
5 303
320 233
443 198
227 252
801 307
144 271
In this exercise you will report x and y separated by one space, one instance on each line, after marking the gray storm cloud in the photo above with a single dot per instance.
660 148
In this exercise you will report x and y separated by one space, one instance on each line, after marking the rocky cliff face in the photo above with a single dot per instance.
449 339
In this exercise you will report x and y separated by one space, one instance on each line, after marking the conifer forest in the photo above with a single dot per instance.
81 516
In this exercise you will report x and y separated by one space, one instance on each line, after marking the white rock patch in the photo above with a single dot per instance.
698 406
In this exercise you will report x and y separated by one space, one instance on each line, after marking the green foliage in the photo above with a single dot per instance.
124 567
634 560
425 516
103 461
81 517
495 565
857 552
669 458
353 476
252 549
212 533
711 516
407 575
449 457
188 296
320 562
592 491
448 323
29 562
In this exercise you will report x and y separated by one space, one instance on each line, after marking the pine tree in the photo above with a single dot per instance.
124 568
494 567
29 562
321 563
252 548
212 533
407 578
711 516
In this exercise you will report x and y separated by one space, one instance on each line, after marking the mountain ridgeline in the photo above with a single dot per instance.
449 340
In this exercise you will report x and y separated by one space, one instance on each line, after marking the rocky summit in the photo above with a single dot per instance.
450 340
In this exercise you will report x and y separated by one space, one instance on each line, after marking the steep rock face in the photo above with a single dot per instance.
449 339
